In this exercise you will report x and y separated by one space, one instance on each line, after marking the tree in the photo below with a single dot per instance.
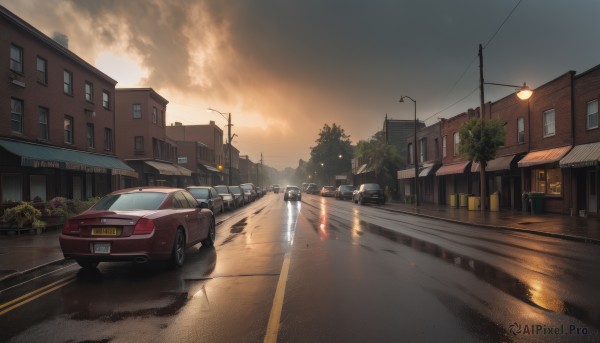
479 145
475 147
331 156
382 158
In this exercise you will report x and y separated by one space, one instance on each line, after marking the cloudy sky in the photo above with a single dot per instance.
284 68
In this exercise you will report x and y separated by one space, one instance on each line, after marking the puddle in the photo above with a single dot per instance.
497 278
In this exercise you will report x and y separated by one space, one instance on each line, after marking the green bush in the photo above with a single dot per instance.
22 216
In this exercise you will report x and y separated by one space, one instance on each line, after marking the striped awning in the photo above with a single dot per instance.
535 158
585 155
450 169
169 169
406 174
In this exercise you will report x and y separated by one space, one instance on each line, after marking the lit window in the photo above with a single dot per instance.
547 181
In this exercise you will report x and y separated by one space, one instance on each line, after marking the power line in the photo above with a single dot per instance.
473 60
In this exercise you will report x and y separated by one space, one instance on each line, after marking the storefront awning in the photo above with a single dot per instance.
406 174
585 155
425 171
535 158
363 169
43 156
169 169
449 169
497 164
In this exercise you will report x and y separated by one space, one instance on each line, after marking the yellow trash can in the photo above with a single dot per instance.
463 200
494 202
453 200
473 203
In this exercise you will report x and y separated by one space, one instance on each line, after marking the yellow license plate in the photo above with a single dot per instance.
105 231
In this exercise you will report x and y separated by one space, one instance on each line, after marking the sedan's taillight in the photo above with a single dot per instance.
143 226
70 227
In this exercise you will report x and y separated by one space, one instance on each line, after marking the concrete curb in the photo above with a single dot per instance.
574 238
31 270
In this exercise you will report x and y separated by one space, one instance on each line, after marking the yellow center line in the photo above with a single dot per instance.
32 295
275 316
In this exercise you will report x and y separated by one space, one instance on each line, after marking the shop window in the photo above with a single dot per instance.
37 187
547 181
12 187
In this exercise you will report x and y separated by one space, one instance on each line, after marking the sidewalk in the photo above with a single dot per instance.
22 253
547 224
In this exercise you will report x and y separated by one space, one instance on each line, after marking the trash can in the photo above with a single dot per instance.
453 200
536 200
463 200
473 203
494 202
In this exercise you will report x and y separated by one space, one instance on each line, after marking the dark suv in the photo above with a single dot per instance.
369 192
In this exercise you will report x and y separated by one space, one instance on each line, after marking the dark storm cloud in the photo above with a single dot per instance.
301 64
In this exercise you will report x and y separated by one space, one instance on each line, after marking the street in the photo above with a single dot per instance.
324 270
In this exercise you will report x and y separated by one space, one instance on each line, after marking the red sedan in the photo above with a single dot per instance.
138 224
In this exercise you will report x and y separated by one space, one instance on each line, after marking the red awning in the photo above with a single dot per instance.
535 158
449 169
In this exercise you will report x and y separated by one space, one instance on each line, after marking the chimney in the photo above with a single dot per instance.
178 123
61 39
212 122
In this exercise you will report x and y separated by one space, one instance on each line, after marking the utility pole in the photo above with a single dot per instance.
261 171
482 112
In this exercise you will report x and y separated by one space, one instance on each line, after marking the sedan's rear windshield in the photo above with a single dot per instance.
199 193
246 187
347 188
222 189
372 186
292 189
235 190
130 201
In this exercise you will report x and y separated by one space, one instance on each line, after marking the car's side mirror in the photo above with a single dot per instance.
203 204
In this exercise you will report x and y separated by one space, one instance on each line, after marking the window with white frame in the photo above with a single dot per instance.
444 147
68 129
16 115
68 82
89 91
456 143
105 99
592 114
137 111
16 58
549 127
42 123
520 130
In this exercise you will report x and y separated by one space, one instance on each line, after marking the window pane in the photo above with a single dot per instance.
67 80
37 187
68 128
12 189
16 115
89 91
42 76
554 179
42 123
90 135
137 110
592 114
549 128
16 59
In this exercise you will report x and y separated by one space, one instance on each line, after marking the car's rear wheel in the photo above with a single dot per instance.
212 234
178 253
87 264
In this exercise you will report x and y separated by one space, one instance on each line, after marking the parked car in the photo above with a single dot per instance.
259 192
369 192
249 191
138 224
208 195
327 191
292 193
344 192
238 194
275 188
312 188
227 196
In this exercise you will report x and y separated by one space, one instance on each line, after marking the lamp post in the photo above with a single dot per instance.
414 150
228 118
523 92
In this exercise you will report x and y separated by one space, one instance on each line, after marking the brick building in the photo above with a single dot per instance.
210 168
142 138
58 132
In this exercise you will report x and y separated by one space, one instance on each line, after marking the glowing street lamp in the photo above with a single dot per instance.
229 137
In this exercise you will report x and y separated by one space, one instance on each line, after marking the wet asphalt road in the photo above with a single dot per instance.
356 274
